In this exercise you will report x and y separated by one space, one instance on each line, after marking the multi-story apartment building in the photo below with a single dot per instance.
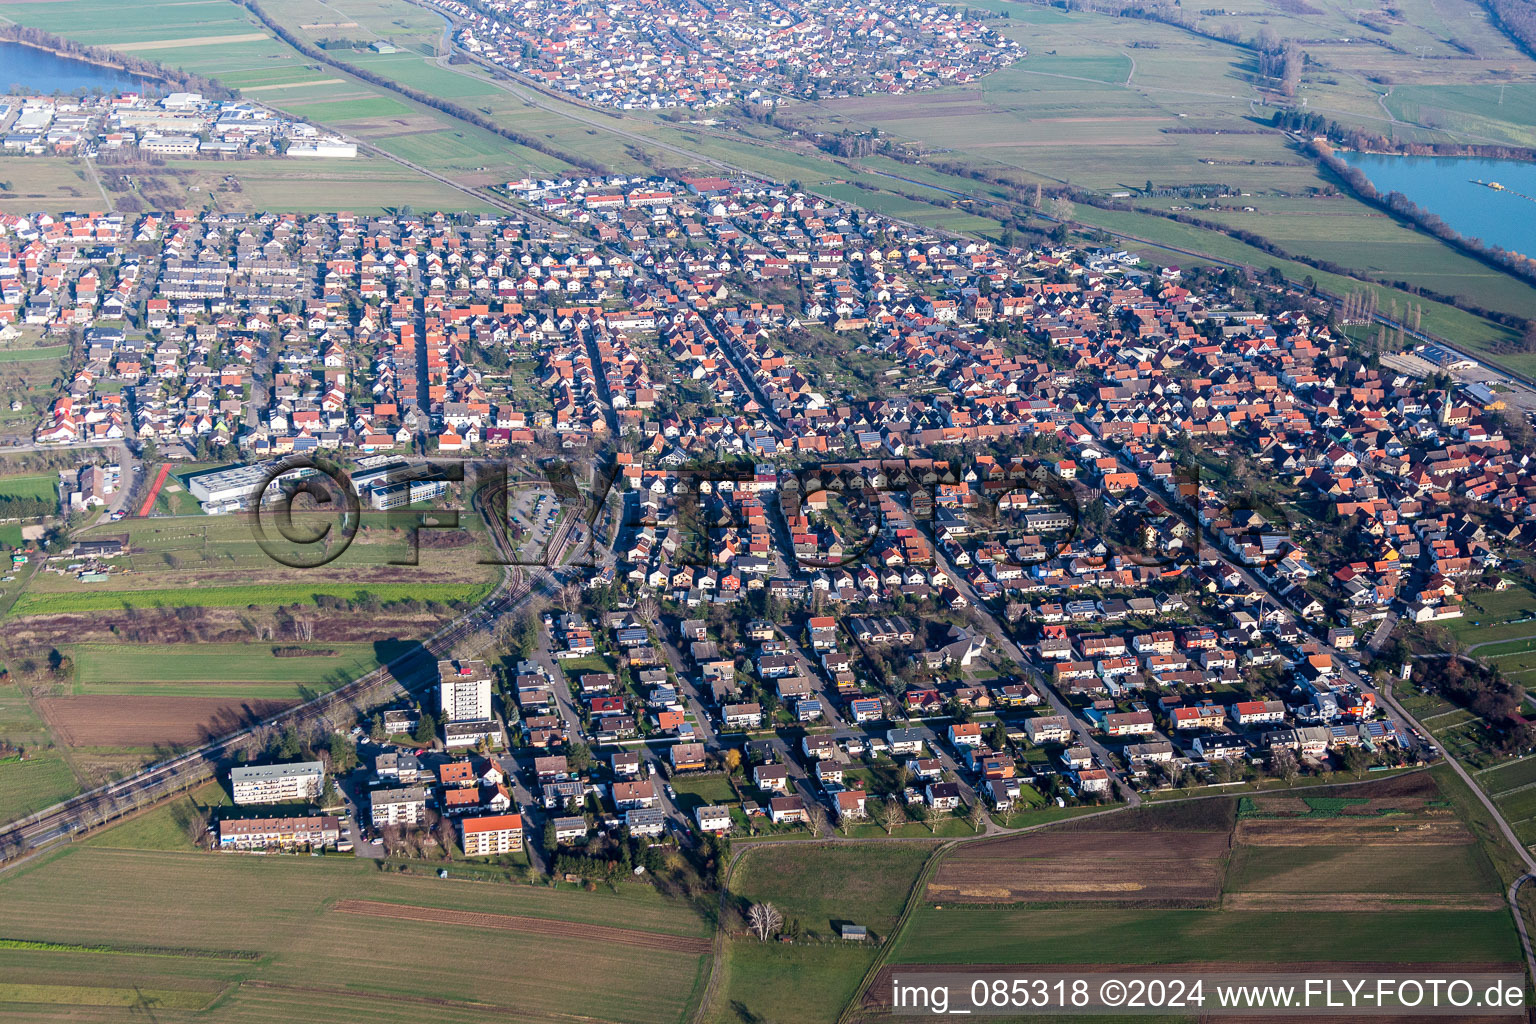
405 806
491 834
279 833
277 783
464 691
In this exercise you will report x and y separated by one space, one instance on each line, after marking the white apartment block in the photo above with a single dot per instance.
464 691
277 783
492 834
405 806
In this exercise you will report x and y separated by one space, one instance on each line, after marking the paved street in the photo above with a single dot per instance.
999 636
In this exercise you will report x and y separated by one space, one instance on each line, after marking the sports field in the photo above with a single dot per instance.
30 485
222 561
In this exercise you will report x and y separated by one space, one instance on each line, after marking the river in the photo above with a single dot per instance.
1446 186
38 71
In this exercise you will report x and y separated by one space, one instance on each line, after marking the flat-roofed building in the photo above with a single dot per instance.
277 783
404 806
491 834
464 689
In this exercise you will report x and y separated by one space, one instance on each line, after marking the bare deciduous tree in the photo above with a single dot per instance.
1283 765
976 814
889 814
815 817
646 609
764 920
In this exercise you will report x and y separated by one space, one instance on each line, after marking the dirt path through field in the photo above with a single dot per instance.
528 925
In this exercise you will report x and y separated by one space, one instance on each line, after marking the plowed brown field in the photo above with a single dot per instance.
1052 867
108 721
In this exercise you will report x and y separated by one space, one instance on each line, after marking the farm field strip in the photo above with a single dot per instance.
1500 794
223 663
524 925
124 898
33 603
1447 714
1087 865
1527 766
1122 935
1407 880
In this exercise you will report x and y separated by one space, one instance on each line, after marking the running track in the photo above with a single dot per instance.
154 489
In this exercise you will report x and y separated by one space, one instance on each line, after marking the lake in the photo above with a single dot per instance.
41 72
1445 185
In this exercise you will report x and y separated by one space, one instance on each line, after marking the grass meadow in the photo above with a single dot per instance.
817 887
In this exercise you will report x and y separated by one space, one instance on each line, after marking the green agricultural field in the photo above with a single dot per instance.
43 779
102 23
1519 805
222 670
167 827
1505 110
162 920
347 111
418 72
365 184
1508 776
1504 650
1353 235
1115 935
1426 870
232 597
